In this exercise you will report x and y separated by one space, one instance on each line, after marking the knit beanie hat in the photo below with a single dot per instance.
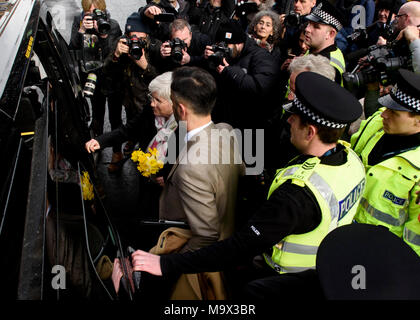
135 24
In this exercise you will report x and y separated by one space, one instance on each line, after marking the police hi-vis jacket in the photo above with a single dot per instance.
391 185
337 189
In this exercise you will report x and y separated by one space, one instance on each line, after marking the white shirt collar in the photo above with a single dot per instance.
193 132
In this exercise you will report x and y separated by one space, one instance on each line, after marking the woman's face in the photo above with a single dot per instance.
264 28
160 106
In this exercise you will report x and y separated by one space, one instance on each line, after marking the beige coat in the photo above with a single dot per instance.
201 187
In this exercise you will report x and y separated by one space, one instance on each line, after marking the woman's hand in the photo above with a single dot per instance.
92 145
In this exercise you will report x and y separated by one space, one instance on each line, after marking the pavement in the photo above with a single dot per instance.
122 189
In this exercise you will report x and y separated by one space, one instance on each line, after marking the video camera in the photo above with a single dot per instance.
380 66
135 46
177 45
102 20
293 19
360 36
221 50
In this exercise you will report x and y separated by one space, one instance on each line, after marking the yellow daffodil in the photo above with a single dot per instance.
87 187
147 163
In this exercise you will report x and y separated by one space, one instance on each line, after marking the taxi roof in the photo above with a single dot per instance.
14 18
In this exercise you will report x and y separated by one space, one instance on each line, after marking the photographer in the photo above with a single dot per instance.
158 14
185 47
291 22
246 75
208 16
93 26
132 67
382 60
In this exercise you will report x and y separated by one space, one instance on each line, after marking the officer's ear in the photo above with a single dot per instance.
332 32
311 132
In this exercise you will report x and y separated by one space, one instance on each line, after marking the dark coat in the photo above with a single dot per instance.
207 19
161 31
103 49
196 49
246 87
131 79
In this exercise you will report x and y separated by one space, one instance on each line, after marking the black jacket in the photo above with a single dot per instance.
103 48
131 79
196 49
207 19
246 87
161 31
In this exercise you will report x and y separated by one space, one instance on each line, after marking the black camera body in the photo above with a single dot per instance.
221 51
383 64
136 46
102 20
293 19
177 45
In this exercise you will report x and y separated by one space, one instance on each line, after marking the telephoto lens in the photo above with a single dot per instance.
90 85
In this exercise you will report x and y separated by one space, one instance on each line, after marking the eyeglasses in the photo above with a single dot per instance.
151 98
400 15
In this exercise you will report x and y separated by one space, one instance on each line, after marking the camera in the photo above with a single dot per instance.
136 46
382 65
164 17
177 45
221 51
293 19
102 21
360 36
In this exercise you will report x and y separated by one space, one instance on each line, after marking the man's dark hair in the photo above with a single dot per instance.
196 87
326 135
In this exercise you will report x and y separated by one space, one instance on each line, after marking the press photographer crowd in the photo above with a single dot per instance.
325 94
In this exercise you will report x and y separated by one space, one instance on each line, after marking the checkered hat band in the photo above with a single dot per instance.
315 117
325 16
405 99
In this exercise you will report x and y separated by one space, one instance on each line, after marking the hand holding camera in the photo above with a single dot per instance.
122 48
87 24
177 50
152 11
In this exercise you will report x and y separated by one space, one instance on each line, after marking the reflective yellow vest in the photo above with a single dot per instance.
391 185
337 189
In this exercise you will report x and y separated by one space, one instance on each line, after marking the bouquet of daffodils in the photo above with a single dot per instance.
87 187
148 163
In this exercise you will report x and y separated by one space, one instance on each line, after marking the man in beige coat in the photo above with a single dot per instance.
201 187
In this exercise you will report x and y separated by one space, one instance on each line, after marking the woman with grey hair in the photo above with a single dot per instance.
164 122
265 30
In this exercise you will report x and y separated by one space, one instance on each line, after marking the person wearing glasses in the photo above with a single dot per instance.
408 15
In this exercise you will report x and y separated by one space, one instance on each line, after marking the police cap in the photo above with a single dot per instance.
323 101
326 13
405 95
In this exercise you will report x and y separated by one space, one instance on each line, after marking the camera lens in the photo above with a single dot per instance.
90 85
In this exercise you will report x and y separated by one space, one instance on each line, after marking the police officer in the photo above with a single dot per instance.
324 23
389 145
318 191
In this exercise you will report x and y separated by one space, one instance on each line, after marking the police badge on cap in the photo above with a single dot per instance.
326 13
